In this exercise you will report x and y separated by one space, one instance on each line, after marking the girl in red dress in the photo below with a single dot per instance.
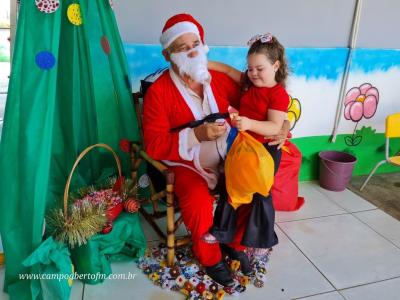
262 112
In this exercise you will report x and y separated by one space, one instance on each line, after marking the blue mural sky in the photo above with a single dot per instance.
369 60
312 63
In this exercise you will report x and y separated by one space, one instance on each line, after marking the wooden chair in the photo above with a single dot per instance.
159 175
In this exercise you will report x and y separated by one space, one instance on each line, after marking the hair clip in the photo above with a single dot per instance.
263 38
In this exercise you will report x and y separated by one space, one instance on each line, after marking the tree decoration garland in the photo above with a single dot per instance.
47 6
45 60
74 14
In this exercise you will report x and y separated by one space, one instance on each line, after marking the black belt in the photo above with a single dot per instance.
208 119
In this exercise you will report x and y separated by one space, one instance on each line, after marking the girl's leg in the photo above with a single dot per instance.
260 231
224 221
276 155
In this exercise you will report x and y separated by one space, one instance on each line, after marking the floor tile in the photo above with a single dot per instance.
346 199
327 296
291 275
382 223
316 205
345 250
385 290
3 296
138 288
77 290
283 281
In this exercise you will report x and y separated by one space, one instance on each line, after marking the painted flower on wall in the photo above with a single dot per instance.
360 102
294 111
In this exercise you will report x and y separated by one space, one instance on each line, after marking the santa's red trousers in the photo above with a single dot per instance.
196 205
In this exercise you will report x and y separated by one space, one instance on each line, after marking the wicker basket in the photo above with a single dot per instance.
84 152
67 227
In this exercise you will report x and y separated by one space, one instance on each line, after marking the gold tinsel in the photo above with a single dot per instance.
81 223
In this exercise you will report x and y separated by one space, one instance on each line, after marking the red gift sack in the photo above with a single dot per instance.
286 185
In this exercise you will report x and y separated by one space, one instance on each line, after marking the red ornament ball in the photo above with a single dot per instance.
131 205
201 287
107 228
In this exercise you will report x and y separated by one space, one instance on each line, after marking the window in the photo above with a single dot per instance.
4 55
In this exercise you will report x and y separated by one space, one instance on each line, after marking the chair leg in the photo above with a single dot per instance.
372 173
170 219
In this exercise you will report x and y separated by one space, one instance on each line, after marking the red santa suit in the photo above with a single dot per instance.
168 104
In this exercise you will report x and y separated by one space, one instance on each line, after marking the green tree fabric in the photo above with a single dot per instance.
125 241
56 108
49 260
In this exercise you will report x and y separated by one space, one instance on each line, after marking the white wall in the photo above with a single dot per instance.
305 23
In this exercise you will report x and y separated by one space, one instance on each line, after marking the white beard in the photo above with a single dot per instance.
194 67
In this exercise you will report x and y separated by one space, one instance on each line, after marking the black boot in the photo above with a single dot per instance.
245 265
220 273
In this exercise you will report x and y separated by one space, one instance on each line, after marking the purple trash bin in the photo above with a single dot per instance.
335 169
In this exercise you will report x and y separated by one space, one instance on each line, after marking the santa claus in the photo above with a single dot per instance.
186 92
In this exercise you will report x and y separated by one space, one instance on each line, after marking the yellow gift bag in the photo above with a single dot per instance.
249 169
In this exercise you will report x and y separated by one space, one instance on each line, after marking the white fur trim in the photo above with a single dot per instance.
211 99
172 33
184 93
187 144
210 178
193 154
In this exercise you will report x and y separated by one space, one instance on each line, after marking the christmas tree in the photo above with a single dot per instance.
69 88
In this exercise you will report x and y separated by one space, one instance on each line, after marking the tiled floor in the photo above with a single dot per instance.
338 246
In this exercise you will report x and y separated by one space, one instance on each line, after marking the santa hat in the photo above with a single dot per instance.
178 25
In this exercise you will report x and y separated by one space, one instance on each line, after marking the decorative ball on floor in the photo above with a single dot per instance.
187 277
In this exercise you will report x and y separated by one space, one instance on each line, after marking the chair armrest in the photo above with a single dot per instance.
155 163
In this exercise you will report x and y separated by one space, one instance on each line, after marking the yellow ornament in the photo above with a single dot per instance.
74 14
185 292
220 294
70 280
235 265
154 276
244 280
208 295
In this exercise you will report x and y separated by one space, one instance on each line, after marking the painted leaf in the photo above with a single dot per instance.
348 140
357 140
